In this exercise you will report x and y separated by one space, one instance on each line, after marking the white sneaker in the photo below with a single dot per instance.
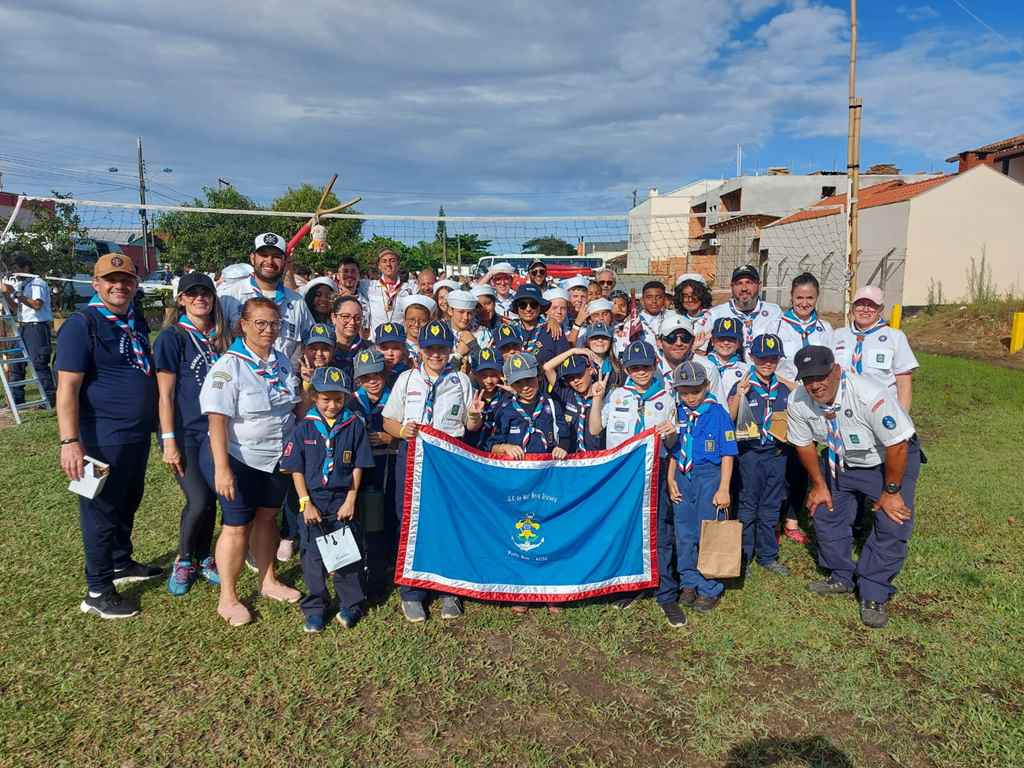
413 611
285 550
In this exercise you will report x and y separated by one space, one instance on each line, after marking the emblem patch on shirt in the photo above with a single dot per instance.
659 406
568 417
880 358
848 413
889 422
709 446
882 338
855 439
764 313
346 457
730 435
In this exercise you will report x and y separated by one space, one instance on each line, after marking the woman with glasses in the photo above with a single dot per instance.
347 318
692 299
251 398
184 352
538 274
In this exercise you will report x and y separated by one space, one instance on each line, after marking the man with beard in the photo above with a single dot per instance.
754 315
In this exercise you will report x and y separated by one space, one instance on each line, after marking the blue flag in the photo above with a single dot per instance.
531 530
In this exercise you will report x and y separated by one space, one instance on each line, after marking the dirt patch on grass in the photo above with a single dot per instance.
963 333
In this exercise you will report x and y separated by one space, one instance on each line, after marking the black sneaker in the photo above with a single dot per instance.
136 572
623 603
109 605
674 615
873 614
706 604
687 596
777 568
830 586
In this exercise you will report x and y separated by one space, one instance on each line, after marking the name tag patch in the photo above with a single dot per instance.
346 457
709 446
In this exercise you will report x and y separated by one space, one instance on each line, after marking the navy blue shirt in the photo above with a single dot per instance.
540 344
576 412
175 352
757 406
481 438
511 428
714 436
117 401
305 452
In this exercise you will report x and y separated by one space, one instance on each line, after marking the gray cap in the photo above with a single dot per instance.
689 374
521 365
368 361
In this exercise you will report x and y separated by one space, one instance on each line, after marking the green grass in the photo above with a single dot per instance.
776 676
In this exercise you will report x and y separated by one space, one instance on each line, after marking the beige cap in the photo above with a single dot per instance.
110 263
872 293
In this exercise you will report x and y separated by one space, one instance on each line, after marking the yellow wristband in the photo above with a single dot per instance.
302 503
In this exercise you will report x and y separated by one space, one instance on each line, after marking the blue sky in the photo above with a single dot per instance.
526 107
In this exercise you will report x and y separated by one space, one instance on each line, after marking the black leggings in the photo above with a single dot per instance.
200 511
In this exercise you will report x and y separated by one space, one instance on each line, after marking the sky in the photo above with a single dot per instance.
525 107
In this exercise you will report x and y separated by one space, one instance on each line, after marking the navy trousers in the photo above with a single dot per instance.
348 584
38 349
762 494
108 519
698 488
886 546
668 577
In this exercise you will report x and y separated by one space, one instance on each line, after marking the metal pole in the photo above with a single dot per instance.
852 170
142 212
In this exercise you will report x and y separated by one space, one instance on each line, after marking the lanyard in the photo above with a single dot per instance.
203 341
328 435
139 357
530 342
804 327
270 371
858 351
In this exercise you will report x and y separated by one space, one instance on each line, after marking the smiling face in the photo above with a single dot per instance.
581 382
578 298
196 302
318 355
373 383
600 345
348 320
260 328
605 280
387 263
322 296
804 298
462 319
330 404
116 290
865 313
765 366
641 375
528 310
267 264
414 319
502 284
441 297
676 346
744 292
823 389
526 389
725 347
488 381
348 277
435 358
393 353
558 310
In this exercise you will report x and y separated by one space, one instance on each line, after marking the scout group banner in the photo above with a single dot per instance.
531 530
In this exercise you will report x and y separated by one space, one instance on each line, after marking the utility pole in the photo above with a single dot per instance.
739 160
634 198
852 170
142 212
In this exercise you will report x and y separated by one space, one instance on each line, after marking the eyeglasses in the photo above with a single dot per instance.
606 282
527 304
679 337
538 271
349 318
264 325
195 293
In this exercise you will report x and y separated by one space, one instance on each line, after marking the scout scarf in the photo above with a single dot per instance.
328 434
279 296
687 421
582 416
836 448
650 393
531 421
531 343
140 358
858 351
747 318
269 371
202 340
723 365
428 404
369 408
767 393
390 291
804 327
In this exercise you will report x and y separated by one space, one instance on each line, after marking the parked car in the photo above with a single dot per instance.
158 281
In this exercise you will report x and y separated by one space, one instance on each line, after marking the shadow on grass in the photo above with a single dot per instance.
812 751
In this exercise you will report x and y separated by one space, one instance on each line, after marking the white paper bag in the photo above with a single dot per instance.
338 549
94 477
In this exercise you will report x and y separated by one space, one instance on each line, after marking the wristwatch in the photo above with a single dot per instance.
893 487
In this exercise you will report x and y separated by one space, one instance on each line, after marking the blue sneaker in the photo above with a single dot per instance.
314 624
183 575
208 570
349 617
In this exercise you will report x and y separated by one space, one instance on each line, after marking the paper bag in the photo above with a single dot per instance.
338 548
94 477
780 426
721 547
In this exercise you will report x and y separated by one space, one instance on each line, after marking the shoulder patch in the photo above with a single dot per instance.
730 435
889 422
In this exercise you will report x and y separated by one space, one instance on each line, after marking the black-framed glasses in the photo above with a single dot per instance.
527 304
264 325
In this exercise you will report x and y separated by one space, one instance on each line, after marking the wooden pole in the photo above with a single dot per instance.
852 169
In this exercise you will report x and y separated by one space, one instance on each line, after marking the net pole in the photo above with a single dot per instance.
852 169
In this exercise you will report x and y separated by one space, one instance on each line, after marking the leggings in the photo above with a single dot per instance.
200 511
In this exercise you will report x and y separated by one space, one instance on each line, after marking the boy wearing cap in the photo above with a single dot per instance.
269 262
726 355
417 311
746 307
577 288
699 473
391 343
570 377
508 340
326 456
872 452
762 460
868 346
538 340
487 369
469 339
529 422
438 395
317 351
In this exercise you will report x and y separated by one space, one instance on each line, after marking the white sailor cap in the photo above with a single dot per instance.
579 281
418 299
556 293
695 276
451 285
599 305
483 290
459 299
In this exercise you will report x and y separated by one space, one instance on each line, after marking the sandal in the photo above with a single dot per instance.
289 595
236 615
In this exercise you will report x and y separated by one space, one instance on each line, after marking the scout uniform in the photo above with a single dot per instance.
880 352
391 333
383 301
797 333
629 411
762 460
482 337
602 331
732 370
295 315
412 347
856 428
344 355
486 360
576 407
325 453
536 427
763 318
706 435
538 340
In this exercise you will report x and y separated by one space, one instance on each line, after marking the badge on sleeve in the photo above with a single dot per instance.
889 422
346 457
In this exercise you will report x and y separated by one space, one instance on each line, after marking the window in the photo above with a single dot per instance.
828 191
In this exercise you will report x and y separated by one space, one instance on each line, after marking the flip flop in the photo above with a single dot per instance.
279 599
237 615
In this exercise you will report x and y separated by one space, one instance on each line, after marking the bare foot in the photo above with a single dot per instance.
234 614
282 593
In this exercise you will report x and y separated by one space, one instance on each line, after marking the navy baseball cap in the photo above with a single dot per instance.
436 334
506 336
814 361
521 365
320 333
727 328
748 271
689 374
386 332
368 361
573 365
486 360
331 379
530 292
186 283
597 331
767 345
639 353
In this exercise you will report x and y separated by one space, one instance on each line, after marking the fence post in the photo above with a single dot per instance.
896 317
1017 333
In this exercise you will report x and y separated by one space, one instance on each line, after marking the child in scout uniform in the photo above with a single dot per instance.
326 456
416 313
597 338
727 355
438 395
508 341
377 496
317 351
530 422
391 343
488 381
699 473
762 460
570 377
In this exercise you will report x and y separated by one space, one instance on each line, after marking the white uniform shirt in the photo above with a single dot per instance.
296 319
260 417
451 401
377 309
503 305
792 342
885 354
727 378
870 419
35 288
623 415
764 318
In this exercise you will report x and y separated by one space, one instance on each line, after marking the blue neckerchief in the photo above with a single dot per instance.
428 404
270 371
139 357
203 341
804 327
279 295
734 359
687 418
368 407
328 435
531 421
656 386
858 350
768 394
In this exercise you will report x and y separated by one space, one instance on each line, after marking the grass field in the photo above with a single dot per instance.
775 677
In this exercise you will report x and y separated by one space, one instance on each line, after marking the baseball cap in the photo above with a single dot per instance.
748 271
331 379
596 331
386 332
111 263
767 345
486 360
368 361
872 293
269 240
536 263
573 365
459 299
639 353
195 280
689 374
320 333
436 334
529 292
675 322
814 361
521 365
727 328
506 336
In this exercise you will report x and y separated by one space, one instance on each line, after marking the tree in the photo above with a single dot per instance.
550 245
342 234
467 247
50 240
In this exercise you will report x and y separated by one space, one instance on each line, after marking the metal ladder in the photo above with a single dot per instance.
12 351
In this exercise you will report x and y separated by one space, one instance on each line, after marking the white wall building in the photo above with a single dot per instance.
659 227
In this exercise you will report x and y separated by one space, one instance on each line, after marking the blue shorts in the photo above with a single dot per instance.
254 488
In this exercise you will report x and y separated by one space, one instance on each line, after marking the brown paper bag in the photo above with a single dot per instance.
721 547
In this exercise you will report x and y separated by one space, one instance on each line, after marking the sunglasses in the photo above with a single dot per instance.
527 304
538 271
195 293
606 282
679 337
